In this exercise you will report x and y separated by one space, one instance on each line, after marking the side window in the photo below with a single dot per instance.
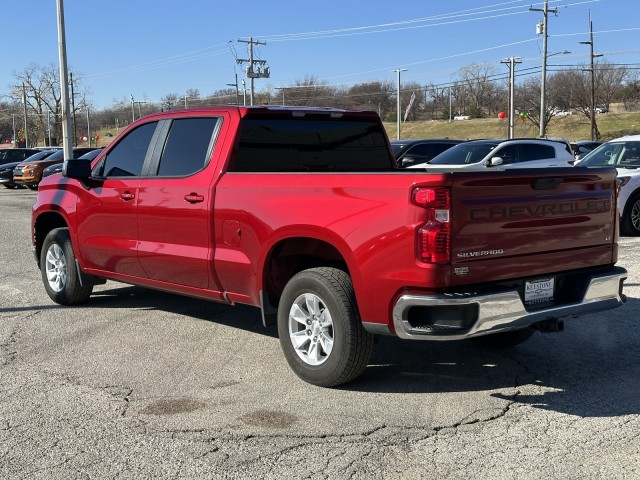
422 150
508 154
631 155
186 150
127 157
538 152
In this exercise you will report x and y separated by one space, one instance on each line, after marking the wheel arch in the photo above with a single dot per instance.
633 197
44 223
290 256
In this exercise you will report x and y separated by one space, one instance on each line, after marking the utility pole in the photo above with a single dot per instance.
24 105
252 73
398 70
244 93
133 110
543 93
283 89
595 134
512 62
49 126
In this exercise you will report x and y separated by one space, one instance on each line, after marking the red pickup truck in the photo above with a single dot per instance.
301 212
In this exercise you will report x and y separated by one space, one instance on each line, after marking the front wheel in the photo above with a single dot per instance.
630 222
320 330
59 275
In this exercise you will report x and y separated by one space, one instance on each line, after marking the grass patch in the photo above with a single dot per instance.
573 127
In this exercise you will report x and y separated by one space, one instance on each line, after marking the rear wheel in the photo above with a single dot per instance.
320 330
59 275
630 222
33 187
505 339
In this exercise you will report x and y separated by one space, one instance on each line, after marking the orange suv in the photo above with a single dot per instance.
29 174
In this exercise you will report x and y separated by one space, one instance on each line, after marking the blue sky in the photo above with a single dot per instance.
149 48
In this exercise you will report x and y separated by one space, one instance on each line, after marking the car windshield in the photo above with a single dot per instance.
91 155
617 154
39 156
464 153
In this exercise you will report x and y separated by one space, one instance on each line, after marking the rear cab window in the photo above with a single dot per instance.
311 145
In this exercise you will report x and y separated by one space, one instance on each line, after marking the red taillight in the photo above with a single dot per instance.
433 238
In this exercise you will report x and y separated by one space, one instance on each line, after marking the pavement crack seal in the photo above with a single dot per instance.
120 395
8 352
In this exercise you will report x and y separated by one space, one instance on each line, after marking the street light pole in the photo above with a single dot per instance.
67 146
398 70
512 61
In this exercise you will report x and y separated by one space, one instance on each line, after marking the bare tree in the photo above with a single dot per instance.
311 92
169 101
610 80
370 96
477 81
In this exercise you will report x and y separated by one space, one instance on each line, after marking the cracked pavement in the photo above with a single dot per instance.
142 384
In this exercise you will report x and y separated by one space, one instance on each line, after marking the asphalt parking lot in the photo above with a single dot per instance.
142 384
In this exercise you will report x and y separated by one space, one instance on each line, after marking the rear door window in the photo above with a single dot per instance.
188 146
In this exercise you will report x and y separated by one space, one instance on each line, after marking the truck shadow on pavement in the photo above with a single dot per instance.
590 370
237 316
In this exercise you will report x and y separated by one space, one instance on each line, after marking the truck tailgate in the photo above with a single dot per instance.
541 221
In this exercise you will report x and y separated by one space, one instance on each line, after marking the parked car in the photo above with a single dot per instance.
582 147
29 172
9 155
410 152
624 154
6 170
6 174
513 153
57 167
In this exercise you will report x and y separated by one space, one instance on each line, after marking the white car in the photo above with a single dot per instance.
624 154
512 153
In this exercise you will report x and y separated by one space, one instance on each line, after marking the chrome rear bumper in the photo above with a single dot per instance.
459 316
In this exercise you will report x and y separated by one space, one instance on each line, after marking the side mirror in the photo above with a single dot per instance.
408 161
76 168
495 161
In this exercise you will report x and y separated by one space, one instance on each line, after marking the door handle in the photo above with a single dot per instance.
194 198
127 196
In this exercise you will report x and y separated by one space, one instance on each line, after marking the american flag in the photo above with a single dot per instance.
411 100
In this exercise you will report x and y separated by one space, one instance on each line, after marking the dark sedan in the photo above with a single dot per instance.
411 152
57 167
6 174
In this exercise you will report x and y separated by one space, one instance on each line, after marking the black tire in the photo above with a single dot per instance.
32 187
630 222
59 274
332 346
505 339
9 185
